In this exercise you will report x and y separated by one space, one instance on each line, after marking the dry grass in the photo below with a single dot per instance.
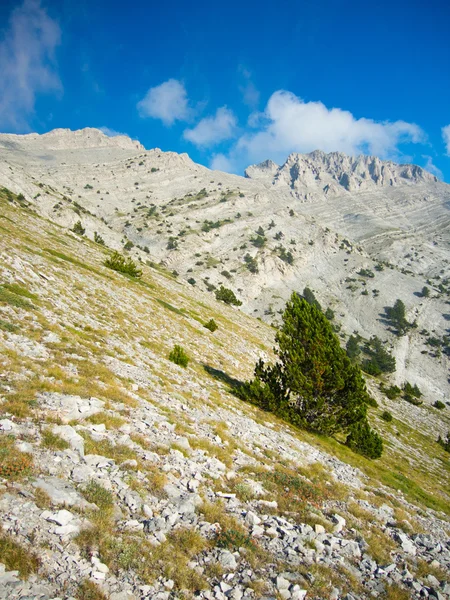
422 569
98 495
88 590
53 441
395 592
14 464
156 479
17 557
123 551
108 420
117 452
42 499
223 454
380 546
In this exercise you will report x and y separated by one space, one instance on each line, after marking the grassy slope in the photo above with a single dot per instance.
80 317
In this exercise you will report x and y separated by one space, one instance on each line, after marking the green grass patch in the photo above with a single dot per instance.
178 311
52 441
8 296
74 261
9 327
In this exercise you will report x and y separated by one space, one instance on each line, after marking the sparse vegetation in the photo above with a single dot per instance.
211 325
123 264
14 463
78 228
179 356
17 557
228 296
52 441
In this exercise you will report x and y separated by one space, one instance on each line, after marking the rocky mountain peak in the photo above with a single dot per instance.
336 171
66 139
265 169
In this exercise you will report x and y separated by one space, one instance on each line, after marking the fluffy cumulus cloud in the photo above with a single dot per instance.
446 138
213 130
289 124
27 63
167 102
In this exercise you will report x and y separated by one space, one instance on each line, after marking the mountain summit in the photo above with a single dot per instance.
334 172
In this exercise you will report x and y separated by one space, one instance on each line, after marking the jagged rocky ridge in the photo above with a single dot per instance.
330 173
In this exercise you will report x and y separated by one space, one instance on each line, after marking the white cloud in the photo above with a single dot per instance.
27 63
167 102
292 125
446 138
213 130
250 94
111 132
220 162
432 168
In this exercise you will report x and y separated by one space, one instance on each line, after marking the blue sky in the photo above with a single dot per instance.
238 82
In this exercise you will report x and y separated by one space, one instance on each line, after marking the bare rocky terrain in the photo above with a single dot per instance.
126 475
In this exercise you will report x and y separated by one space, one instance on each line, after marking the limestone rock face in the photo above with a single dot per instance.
323 172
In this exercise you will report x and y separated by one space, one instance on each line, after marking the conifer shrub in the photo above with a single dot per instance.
397 317
310 298
78 228
380 360
364 440
251 263
439 405
98 239
352 347
179 356
211 325
412 394
228 296
123 264
258 241
386 416
314 385
392 392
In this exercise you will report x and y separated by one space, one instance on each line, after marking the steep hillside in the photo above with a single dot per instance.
126 476
360 232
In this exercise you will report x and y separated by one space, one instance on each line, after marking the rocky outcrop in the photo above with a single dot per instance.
321 172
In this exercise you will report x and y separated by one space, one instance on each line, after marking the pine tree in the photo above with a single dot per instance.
309 296
397 316
313 384
353 349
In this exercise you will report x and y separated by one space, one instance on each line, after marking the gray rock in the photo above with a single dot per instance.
73 438
228 560
60 491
